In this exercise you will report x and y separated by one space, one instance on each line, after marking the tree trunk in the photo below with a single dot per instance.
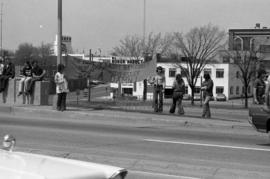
89 90
145 89
192 95
246 98
119 92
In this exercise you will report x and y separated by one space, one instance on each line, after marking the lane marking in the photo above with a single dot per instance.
162 174
207 145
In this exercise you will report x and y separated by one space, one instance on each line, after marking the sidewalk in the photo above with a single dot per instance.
222 118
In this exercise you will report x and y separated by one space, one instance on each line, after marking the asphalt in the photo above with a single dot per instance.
222 117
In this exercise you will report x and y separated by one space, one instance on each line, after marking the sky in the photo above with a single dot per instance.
101 24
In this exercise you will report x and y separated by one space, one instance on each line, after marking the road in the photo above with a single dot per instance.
147 149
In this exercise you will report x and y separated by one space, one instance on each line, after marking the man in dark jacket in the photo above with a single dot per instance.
8 73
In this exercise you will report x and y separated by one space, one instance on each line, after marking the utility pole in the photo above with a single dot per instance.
59 34
1 29
89 76
144 52
144 21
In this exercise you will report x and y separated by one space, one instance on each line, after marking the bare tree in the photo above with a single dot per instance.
248 62
136 46
24 52
28 52
198 47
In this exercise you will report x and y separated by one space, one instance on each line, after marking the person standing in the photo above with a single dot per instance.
207 88
259 88
8 72
178 93
159 85
1 67
61 87
37 75
26 77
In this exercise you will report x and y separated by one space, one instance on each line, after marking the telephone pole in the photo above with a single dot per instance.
144 21
1 14
59 35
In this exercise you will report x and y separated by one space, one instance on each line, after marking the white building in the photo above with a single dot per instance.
226 78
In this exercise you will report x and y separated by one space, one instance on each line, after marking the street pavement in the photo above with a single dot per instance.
150 145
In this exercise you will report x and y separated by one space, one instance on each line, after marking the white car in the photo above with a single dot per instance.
14 165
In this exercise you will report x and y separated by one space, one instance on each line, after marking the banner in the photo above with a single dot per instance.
108 72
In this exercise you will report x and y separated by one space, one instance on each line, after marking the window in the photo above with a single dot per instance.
246 43
231 90
237 89
252 44
249 89
127 91
172 72
207 71
243 89
186 89
220 73
237 44
219 89
197 89
237 74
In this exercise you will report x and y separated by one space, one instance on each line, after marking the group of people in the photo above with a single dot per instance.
158 82
30 73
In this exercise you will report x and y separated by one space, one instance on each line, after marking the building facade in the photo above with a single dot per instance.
226 78
257 39
66 45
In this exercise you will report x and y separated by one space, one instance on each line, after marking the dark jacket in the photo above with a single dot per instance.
9 70
209 88
179 87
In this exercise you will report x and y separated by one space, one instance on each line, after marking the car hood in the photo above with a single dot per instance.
14 165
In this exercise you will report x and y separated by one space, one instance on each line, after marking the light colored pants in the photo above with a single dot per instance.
206 107
24 83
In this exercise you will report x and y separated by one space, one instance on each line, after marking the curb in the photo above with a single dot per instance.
79 113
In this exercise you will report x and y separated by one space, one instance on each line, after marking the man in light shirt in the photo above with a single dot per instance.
1 66
158 81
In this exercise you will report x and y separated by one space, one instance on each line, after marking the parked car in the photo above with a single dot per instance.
259 119
186 97
221 97
23 165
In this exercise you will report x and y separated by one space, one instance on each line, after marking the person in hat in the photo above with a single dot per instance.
158 81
